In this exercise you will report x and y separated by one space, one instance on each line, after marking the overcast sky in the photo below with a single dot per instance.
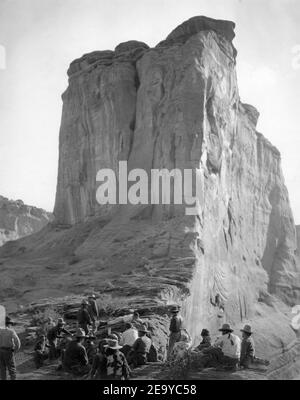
41 37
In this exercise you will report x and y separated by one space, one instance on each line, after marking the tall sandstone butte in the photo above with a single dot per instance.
177 106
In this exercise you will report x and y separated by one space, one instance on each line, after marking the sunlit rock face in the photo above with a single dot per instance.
18 220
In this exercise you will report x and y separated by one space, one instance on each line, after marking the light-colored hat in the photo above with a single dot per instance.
113 344
226 327
92 296
247 329
80 333
84 302
60 321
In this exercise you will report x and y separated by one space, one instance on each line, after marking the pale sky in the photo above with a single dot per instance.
41 37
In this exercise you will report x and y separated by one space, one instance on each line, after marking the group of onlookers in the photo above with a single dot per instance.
228 350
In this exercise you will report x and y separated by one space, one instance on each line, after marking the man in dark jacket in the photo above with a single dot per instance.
75 358
83 317
247 347
52 336
176 325
140 349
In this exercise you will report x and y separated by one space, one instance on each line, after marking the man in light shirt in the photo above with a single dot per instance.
9 343
230 345
129 336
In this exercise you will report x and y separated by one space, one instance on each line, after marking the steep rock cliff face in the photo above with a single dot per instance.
18 220
175 106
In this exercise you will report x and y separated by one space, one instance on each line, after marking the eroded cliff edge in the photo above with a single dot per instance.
175 106
18 219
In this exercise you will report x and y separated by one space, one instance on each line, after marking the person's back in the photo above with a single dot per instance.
9 344
9 339
176 323
75 354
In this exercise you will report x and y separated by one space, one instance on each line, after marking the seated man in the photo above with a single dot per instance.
247 347
206 340
129 336
140 349
75 358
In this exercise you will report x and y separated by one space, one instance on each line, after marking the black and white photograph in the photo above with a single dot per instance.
149 193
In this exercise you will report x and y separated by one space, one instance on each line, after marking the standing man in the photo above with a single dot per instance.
52 336
83 317
176 325
9 343
93 309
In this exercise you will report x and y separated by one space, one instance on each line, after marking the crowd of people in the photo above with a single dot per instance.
115 356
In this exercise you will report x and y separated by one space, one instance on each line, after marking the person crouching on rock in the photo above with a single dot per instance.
98 370
40 351
140 349
75 358
247 347
83 317
116 364
129 336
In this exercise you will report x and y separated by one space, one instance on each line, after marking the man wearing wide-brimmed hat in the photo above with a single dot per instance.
75 358
230 346
9 343
117 366
247 347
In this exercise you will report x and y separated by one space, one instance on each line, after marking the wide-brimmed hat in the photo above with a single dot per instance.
247 329
113 336
60 321
80 333
205 332
84 302
113 344
226 328
143 329
175 309
91 296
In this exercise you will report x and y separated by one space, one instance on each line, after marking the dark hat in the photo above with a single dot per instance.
226 328
247 329
205 332
175 309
